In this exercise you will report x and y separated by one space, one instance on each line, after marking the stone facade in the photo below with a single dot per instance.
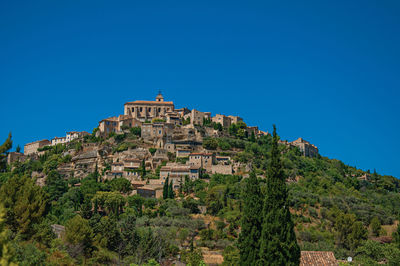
150 191
147 110
116 124
13 157
197 117
32 148
70 136
225 121
308 149
202 160
178 172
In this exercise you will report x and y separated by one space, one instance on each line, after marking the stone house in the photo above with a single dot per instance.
308 149
183 153
225 121
147 110
117 169
32 148
235 119
150 191
197 117
202 160
108 125
178 172
15 157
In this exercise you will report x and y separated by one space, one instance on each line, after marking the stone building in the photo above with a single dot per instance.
197 117
224 120
116 124
202 160
235 119
108 125
70 136
150 191
147 110
178 172
305 147
13 157
158 132
32 148
308 149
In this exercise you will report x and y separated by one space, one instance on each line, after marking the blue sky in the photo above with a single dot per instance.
328 71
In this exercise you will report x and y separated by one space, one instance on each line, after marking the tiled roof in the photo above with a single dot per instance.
314 258
150 102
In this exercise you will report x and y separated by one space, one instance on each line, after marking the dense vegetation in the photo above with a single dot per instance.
331 207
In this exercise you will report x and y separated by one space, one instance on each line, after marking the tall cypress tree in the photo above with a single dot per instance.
165 188
171 193
249 238
278 244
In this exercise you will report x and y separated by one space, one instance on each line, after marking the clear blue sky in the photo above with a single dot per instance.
328 71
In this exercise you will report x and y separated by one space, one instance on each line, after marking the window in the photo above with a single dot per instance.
107 123
133 109
149 109
159 109
141 109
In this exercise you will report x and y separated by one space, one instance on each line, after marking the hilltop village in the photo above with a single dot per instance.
165 142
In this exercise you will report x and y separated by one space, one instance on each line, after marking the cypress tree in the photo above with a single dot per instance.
278 245
143 169
171 193
165 188
249 238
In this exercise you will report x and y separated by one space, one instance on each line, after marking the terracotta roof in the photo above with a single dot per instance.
314 258
38 141
117 163
113 118
132 160
201 153
150 102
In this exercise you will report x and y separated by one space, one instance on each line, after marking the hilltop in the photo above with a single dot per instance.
157 182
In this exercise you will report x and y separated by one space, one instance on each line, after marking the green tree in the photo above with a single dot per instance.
210 144
121 184
79 233
278 241
56 185
18 149
165 188
396 236
143 169
171 193
136 131
4 148
25 202
249 244
376 226
6 251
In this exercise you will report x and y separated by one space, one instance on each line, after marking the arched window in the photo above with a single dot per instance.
141 109
133 109
149 109
159 109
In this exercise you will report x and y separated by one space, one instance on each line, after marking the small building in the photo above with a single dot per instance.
117 169
308 149
235 119
202 160
317 258
178 172
197 117
183 153
32 148
150 191
225 121
147 110
13 157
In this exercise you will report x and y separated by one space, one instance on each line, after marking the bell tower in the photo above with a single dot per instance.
159 97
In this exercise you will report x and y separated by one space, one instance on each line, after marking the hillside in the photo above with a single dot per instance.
109 197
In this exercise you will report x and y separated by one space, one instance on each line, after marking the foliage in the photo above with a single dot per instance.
278 241
249 244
